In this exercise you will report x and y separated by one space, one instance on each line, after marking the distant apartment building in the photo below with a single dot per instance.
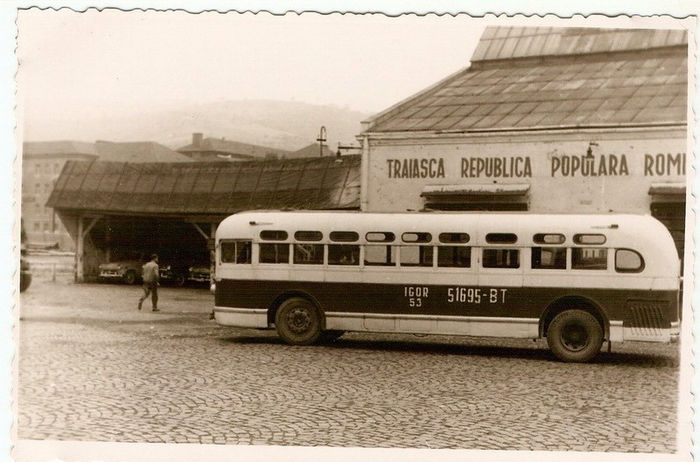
42 163
221 149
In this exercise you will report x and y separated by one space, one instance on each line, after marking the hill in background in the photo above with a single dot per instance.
278 124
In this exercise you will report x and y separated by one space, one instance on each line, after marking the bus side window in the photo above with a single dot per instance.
379 255
274 253
416 255
228 251
628 261
501 258
244 252
452 256
589 258
341 254
549 258
308 254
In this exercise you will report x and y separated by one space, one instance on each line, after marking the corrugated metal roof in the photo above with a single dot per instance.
498 42
642 87
212 188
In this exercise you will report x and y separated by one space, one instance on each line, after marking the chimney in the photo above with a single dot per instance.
197 139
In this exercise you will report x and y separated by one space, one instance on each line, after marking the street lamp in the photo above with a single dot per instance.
321 139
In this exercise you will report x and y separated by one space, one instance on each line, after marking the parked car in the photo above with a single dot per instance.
174 273
25 275
127 271
200 273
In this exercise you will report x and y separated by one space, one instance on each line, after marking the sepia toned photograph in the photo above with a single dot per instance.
249 233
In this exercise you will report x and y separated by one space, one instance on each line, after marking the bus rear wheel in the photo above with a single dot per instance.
575 336
298 322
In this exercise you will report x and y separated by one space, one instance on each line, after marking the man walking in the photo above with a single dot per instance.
150 282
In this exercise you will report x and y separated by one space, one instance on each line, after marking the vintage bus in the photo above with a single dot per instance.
576 280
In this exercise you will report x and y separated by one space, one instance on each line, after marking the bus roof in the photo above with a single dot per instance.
620 229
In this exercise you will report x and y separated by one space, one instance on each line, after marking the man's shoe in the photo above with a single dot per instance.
140 302
155 309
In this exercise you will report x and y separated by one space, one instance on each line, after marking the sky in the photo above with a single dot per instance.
86 64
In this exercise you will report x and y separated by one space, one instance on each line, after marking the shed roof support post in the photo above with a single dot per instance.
79 251
80 247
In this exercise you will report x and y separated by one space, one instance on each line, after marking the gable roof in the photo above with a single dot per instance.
139 151
208 188
312 150
235 148
514 90
65 147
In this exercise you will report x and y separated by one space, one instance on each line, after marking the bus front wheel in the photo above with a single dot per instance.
575 336
298 322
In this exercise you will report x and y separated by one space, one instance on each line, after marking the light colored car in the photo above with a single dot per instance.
199 273
127 271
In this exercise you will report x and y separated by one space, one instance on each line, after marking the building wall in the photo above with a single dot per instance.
41 223
562 176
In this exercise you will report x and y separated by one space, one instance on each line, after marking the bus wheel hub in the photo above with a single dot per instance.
574 337
299 320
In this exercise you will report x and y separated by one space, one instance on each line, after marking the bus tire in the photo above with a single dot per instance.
575 336
298 322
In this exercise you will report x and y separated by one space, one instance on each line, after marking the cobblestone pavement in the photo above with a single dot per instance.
92 367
